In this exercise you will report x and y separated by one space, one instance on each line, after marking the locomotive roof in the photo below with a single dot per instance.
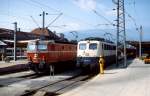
97 39
52 41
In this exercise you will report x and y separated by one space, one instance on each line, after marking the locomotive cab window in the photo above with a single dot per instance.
42 47
31 47
82 46
93 46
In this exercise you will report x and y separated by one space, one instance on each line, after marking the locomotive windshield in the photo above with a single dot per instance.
82 46
37 46
42 47
93 46
31 47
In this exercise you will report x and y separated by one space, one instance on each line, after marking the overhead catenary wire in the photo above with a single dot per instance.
20 17
28 2
39 4
98 14
134 4
64 14
44 5
133 19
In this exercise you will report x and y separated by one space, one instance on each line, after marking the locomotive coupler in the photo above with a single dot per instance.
41 64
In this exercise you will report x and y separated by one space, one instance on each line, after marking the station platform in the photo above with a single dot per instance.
12 66
131 81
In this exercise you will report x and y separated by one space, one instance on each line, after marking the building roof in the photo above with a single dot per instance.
2 43
46 33
7 34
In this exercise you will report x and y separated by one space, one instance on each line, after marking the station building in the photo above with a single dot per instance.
7 40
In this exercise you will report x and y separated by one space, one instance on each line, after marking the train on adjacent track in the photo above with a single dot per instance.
90 50
42 54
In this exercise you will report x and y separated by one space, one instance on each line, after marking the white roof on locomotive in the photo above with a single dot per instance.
96 41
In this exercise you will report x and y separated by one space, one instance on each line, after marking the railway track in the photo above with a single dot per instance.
59 87
10 79
30 84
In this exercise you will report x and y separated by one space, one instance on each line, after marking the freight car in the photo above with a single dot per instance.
44 54
90 50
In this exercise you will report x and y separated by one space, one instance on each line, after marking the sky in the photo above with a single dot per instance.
77 15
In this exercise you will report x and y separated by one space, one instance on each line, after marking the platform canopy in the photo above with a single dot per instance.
145 45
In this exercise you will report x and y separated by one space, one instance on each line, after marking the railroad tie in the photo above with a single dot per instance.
40 93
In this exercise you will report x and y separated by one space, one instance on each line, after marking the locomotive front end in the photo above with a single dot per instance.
87 54
37 53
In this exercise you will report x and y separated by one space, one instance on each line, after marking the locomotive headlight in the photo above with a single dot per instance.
35 55
79 56
30 59
86 54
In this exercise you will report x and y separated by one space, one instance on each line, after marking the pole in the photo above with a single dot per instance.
15 31
121 33
124 33
117 40
43 22
18 29
140 42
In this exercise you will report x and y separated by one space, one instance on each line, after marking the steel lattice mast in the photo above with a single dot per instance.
121 32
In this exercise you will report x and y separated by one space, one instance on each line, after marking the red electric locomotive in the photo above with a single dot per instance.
43 54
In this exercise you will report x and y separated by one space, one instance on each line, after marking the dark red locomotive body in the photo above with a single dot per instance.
42 54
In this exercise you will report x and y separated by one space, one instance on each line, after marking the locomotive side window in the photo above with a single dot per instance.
93 46
102 46
105 47
82 46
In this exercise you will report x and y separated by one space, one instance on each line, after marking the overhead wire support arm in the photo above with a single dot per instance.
133 19
54 20
35 21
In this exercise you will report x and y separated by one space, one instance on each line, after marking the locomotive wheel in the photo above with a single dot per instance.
36 70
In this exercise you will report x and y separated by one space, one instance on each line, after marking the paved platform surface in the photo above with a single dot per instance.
12 66
11 63
132 81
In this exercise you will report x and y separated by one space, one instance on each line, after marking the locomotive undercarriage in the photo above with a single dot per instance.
91 64
43 67
39 67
